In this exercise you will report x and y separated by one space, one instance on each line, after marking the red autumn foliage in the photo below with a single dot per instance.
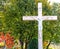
9 40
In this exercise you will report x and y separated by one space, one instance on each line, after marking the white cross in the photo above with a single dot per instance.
40 18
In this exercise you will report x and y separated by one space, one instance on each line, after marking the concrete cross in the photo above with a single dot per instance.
40 18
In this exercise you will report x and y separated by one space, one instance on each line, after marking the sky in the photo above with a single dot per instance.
52 1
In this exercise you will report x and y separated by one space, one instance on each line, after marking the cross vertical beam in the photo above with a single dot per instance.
40 40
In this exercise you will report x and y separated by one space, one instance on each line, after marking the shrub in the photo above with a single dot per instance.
33 44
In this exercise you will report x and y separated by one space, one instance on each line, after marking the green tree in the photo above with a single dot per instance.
22 30
51 28
13 12
56 11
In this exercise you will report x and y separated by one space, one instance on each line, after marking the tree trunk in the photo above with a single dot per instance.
21 45
26 45
21 42
48 45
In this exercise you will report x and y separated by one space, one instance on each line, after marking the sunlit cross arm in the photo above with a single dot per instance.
49 18
30 17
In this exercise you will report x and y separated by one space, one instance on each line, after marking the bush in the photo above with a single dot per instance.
33 44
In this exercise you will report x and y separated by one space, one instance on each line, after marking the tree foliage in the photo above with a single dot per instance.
11 20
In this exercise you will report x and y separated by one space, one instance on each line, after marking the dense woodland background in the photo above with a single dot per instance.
11 13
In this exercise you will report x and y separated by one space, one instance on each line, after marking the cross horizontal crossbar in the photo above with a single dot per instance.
39 18
49 18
